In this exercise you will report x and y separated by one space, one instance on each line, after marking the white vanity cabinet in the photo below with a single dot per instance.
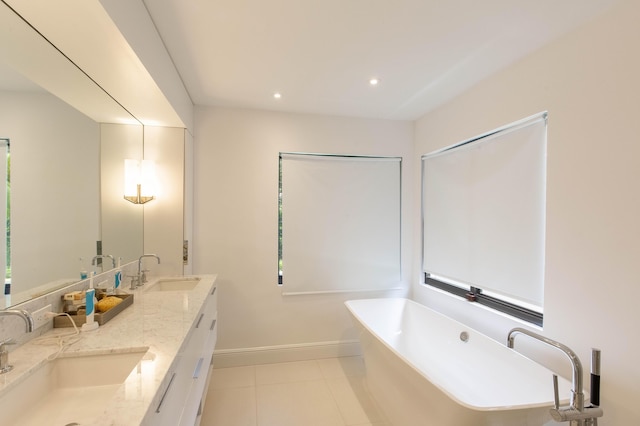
180 399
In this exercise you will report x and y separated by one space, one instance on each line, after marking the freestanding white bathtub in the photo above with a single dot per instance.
425 369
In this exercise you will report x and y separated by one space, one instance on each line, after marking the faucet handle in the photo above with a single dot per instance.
135 281
595 377
9 341
569 414
5 367
556 397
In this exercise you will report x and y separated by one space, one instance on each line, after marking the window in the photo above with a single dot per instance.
339 223
483 206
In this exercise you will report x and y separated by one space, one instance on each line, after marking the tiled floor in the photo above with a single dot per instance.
327 392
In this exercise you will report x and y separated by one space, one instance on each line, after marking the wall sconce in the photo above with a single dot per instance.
139 181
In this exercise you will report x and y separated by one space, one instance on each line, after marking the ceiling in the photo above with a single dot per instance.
320 54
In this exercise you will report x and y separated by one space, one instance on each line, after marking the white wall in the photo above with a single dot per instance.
188 200
236 222
589 82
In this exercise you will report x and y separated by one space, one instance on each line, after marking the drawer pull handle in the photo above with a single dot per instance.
173 376
213 291
196 372
213 324
199 319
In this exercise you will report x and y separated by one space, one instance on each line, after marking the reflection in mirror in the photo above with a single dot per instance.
54 199
5 206
121 221
58 210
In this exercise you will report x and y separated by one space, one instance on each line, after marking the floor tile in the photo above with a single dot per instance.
287 372
342 367
230 407
233 377
307 403
356 405
327 392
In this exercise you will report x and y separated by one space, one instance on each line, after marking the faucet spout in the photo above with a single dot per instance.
103 256
25 315
141 274
5 367
577 396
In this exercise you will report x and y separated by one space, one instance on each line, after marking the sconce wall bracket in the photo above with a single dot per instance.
138 198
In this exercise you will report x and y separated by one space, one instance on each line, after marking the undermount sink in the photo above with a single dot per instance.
69 390
175 284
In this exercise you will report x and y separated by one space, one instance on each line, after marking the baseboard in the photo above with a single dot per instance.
223 358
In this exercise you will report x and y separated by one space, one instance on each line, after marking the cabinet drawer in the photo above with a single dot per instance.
200 375
204 393
169 408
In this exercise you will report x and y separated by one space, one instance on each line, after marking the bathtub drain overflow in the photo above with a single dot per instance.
464 336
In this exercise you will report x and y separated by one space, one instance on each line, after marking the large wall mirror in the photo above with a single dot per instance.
62 165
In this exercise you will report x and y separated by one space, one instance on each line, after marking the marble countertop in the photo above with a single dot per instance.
156 324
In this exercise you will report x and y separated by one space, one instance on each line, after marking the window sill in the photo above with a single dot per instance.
529 317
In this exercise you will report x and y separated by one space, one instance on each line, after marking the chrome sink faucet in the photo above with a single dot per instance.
103 256
25 315
142 276
5 367
576 413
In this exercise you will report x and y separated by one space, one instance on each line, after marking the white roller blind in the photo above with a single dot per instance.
484 211
340 223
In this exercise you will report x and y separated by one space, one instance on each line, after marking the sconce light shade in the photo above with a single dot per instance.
139 181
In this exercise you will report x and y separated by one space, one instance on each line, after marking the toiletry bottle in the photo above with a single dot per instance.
90 306
118 277
90 303
83 270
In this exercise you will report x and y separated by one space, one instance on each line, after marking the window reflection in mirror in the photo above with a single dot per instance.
5 209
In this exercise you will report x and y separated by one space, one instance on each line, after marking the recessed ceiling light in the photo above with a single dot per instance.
277 95
374 81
